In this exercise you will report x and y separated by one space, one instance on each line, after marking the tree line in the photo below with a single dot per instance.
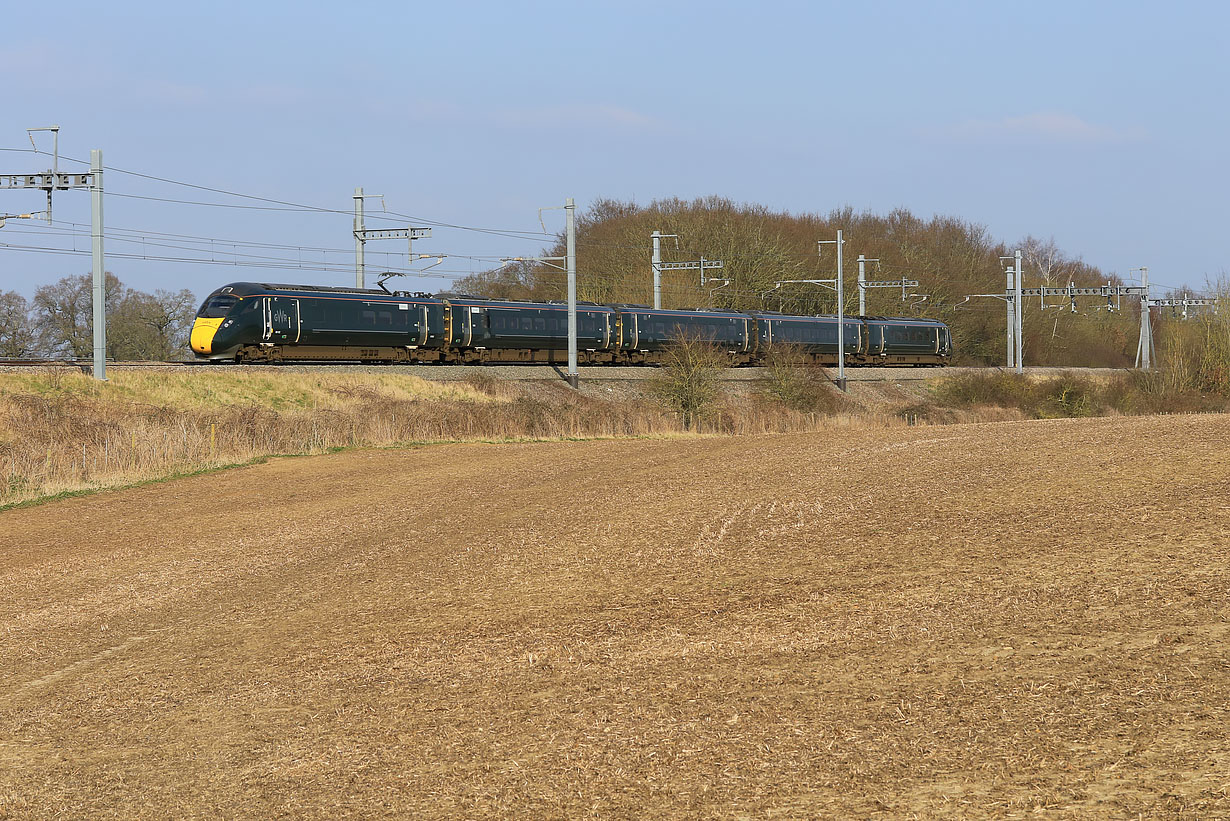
950 257
58 322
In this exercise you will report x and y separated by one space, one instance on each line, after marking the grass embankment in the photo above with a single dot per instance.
61 431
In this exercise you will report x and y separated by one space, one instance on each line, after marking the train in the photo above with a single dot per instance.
249 322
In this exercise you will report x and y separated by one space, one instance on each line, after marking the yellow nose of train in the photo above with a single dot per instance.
202 338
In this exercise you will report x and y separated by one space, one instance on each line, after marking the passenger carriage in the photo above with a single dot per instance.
253 322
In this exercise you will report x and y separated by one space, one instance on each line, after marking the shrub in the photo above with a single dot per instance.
690 381
800 384
1066 396
1000 388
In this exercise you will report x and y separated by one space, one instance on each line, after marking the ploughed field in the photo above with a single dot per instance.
964 621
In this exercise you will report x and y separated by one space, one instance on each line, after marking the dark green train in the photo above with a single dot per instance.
252 322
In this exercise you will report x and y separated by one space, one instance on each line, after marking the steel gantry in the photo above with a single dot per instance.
363 234
1014 295
56 180
863 284
701 265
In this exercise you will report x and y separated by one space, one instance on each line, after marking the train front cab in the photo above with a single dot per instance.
230 318
209 319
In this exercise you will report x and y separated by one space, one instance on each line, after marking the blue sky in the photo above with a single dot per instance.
1104 125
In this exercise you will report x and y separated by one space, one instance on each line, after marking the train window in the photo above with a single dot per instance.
369 317
540 324
217 306
527 323
385 319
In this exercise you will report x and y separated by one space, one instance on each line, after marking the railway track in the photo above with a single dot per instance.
512 372
87 364
448 373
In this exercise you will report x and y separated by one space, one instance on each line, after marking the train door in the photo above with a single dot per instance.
876 344
282 321
854 337
469 314
422 322
446 338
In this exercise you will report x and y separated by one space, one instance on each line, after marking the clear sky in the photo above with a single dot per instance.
1102 124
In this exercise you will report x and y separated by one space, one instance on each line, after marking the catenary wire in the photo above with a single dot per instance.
293 206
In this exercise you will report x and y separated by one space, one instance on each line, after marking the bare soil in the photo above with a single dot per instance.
996 620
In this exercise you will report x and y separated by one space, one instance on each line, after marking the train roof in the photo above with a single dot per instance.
246 288
915 320
681 311
331 289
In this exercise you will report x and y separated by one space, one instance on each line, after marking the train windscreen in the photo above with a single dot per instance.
217 306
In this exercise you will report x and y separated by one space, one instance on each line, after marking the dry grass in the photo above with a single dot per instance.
61 431
1071 394
981 621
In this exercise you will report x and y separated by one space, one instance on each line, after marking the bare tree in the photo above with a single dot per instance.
17 338
151 326
139 325
1045 257
64 314
514 280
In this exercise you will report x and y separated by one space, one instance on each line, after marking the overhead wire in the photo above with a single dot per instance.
211 245
117 233
275 263
290 205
